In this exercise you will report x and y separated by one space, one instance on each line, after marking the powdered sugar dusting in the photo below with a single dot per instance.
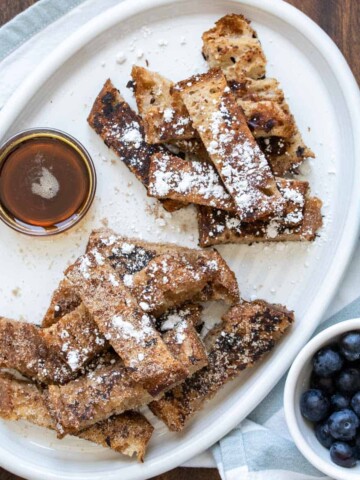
168 115
127 330
132 135
73 360
188 178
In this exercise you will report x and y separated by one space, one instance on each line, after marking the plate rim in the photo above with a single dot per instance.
346 246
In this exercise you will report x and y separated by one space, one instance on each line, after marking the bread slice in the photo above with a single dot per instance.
109 390
233 46
130 256
129 330
266 89
122 131
233 150
23 348
75 338
128 433
219 227
189 181
264 106
163 113
249 331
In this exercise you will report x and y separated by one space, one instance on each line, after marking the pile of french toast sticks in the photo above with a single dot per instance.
224 141
124 331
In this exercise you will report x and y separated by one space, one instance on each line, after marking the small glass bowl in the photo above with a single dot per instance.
32 230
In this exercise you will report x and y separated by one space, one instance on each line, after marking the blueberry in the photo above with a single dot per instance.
326 362
322 433
355 403
350 346
343 424
327 385
343 454
314 405
338 401
348 380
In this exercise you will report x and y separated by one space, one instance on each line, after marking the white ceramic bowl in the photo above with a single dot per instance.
297 382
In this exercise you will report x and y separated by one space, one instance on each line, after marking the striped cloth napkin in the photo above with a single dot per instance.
260 448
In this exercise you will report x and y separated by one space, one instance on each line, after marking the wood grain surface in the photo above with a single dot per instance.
341 20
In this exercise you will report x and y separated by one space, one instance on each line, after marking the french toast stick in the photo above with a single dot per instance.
233 150
128 433
249 330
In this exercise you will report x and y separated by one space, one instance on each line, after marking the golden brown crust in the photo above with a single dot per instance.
232 148
190 274
218 227
249 331
94 397
23 348
267 119
75 338
130 257
22 400
162 111
264 107
263 102
224 286
233 46
128 433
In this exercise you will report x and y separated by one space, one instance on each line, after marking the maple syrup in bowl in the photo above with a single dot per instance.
47 182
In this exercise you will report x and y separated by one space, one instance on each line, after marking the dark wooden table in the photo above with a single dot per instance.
341 20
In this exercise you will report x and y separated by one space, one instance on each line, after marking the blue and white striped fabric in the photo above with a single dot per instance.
260 448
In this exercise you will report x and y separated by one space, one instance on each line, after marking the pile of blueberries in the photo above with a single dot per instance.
333 401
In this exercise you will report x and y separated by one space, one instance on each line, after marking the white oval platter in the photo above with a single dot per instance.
324 98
